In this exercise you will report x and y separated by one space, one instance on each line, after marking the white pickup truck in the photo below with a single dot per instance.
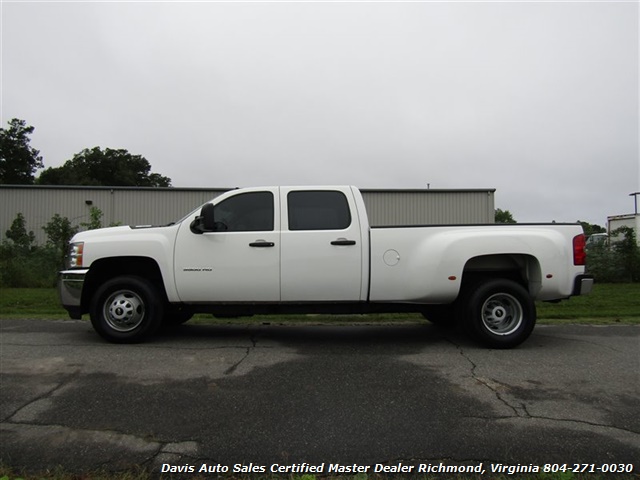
309 250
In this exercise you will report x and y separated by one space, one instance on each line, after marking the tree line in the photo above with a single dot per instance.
19 162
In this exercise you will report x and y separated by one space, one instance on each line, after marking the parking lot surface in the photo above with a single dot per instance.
361 395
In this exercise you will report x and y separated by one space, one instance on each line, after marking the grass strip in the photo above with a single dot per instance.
616 303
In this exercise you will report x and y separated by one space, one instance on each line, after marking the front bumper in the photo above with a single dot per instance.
583 285
70 284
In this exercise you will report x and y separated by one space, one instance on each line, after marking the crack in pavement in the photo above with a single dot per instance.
105 448
584 423
153 451
492 385
183 448
521 411
39 398
235 366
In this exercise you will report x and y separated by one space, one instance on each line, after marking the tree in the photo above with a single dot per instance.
626 246
22 262
591 228
504 216
59 231
106 167
18 234
95 219
18 160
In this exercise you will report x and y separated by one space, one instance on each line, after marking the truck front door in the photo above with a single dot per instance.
240 261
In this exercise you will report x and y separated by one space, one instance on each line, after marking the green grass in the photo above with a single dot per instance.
607 304
30 303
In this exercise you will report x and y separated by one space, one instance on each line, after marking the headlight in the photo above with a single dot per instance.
74 258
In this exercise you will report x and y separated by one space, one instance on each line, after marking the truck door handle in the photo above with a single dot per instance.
343 241
261 244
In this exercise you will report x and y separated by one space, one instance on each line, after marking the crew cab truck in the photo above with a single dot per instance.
311 249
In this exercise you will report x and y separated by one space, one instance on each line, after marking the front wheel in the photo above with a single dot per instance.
126 309
499 313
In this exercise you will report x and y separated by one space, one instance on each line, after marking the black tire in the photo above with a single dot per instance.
499 313
126 309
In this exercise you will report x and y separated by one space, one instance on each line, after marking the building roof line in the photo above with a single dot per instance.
224 189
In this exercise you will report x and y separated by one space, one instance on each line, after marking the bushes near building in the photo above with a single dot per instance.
618 261
23 263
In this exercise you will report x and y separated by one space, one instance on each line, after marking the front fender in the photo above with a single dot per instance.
155 243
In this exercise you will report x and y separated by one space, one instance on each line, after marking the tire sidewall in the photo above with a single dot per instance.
473 313
149 296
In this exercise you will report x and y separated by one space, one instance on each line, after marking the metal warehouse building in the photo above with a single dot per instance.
158 206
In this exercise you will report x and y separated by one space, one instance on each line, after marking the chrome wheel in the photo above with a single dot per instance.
502 314
124 310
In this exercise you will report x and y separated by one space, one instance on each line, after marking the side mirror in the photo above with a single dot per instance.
208 223
204 222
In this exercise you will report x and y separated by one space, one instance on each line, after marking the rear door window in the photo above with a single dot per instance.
318 210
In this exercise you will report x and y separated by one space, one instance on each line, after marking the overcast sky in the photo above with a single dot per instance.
536 99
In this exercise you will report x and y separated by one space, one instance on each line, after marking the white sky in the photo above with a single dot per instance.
536 99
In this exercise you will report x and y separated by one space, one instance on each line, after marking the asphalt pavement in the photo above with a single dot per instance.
318 399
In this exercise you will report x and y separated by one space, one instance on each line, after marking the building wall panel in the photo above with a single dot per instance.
429 207
159 206
125 206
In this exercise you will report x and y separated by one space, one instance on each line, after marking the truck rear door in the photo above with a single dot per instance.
322 246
